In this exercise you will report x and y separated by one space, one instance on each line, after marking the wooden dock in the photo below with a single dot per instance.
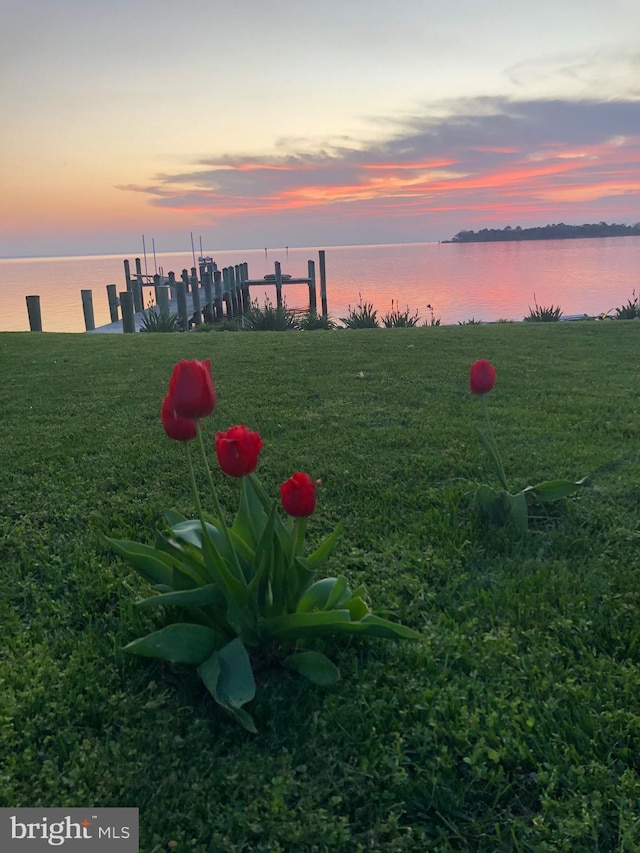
211 296
214 295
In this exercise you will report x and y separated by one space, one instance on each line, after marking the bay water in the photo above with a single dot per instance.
446 281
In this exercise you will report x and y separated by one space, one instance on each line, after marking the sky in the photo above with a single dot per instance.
265 123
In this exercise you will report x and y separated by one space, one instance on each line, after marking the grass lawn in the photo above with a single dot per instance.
513 725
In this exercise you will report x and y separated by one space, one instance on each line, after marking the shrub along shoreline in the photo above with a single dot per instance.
512 725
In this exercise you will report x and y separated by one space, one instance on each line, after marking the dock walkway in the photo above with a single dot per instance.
116 327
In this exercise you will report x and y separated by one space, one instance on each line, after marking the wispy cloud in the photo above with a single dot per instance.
531 159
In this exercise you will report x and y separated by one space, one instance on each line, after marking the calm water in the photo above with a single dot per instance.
488 281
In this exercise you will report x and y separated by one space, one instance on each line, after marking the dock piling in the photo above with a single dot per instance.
112 297
311 274
181 295
126 306
87 310
323 283
33 310
163 294
278 285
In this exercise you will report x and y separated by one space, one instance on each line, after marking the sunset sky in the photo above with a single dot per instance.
265 123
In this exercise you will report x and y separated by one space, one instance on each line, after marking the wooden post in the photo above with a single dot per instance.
173 285
112 297
136 290
217 283
245 286
126 306
311 274
227 295
323 283
278 285
193 280
195 293
208 297
233 291
183 315
87 310
157 282
163 298
184 275
127 275
33 310
139 274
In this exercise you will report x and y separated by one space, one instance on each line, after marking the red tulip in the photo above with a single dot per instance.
238 449
298 495
175 426
482 377
191 388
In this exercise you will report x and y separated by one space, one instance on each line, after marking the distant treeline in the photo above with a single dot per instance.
547 232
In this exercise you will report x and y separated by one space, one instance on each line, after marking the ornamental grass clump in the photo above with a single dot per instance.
248 584
501 506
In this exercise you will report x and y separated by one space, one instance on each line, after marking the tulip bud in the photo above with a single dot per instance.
298 495
482 377
238 449
191 388
175 426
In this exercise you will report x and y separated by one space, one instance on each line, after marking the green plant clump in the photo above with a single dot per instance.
543 314
629 311
310 321
363 316
269 318
159 321
399 319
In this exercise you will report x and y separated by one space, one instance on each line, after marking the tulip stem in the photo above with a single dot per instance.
194 485
496 453
216 501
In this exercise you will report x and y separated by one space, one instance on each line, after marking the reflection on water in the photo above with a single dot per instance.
486 281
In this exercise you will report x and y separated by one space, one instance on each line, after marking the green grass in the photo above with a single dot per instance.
514 725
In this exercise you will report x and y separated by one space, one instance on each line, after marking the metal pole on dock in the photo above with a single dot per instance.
33 310
87 310
323 283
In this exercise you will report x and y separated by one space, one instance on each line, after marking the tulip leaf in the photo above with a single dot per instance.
555 490
324 550
199 597
376 626
339 594
314 666
155 566
357 607
503 508
179 643
228 676
299 625
321 595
